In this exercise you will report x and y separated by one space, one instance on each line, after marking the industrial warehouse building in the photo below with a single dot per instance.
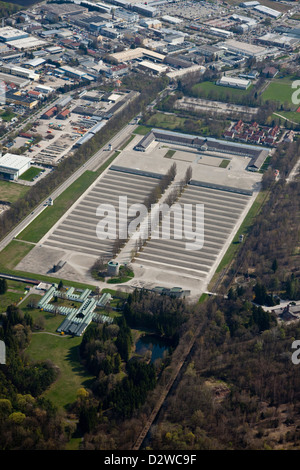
8 33
245 49
13 166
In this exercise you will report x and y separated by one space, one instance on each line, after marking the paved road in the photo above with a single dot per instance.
92 164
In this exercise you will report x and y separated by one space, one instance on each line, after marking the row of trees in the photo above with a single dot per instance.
3 286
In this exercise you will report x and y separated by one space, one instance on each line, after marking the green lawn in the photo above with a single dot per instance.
7 115
210 90
290 115
11 192
224 163
141 130
12 254
170 153
280 91
14 294
176 123
62 351
30 173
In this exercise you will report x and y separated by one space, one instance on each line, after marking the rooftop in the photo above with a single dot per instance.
14 162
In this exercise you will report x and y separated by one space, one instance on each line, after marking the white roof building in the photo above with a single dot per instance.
233 82
268 11
12 166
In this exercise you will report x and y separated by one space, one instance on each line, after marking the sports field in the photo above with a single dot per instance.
280 91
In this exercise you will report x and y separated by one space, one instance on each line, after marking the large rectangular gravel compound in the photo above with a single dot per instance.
222 210
77 231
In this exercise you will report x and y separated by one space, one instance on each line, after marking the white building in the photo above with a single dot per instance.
233 82
13 166
245 49
19 71
268 11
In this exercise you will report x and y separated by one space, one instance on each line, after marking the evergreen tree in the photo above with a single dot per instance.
3 286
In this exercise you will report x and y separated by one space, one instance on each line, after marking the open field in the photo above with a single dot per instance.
141 130
280 91
43 223
15 292
63 352
292 116
11 192
176 123
212 91
12 254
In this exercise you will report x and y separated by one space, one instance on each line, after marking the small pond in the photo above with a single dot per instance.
152 343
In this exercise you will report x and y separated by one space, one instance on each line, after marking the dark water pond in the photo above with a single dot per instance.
152 343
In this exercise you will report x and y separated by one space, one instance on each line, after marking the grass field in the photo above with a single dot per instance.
142 130
170 153
290 115
62 351
30 173
280 91
11 192
12 254
176 123
14 294
212 91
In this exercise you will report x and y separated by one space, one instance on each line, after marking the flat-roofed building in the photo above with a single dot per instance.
13 166
11 34
154 68
137 53
245 49
268 11
19 71
234 82
21 100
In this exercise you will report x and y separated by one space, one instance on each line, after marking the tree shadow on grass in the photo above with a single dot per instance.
73 357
